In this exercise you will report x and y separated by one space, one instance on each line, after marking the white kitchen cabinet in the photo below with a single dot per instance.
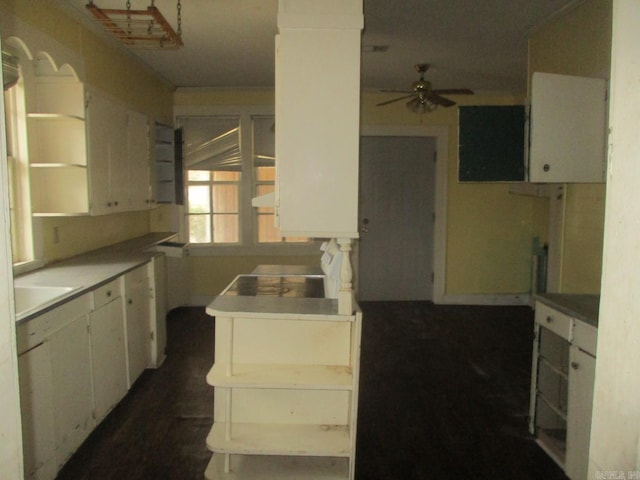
286 390
318 118
36 405
119 157
56 386
581 380
108 352
72 387
563 370
137 319
139 161
567 131
158 316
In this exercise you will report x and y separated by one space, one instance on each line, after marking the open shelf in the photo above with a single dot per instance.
311 377
281 467
281 439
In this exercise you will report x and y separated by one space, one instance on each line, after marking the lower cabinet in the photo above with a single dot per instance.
108 353
137 314
77 361
563 371
36 405
55 387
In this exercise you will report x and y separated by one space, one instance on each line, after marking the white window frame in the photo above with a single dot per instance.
25 228
248 244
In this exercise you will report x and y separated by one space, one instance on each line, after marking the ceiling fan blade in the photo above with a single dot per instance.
394 100
397 91
438 100
452 91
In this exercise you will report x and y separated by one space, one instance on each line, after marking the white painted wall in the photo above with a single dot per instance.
616 409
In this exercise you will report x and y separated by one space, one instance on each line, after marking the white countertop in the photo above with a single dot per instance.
91 270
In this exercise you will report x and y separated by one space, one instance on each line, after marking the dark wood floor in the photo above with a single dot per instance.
444 395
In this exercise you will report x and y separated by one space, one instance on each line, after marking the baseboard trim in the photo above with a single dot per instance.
510 299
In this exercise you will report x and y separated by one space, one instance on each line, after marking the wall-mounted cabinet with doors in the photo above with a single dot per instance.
561 139
88 153
567 130
119 159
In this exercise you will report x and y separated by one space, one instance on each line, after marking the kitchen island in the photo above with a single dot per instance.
285 377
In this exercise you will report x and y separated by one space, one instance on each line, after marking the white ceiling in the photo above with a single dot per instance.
476 44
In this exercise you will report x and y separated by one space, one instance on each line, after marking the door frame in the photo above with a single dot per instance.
441 135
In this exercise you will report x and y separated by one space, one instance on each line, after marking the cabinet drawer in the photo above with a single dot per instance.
585 337
34 331
556 321
104 294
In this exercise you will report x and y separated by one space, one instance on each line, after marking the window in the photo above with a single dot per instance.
225 169
18 168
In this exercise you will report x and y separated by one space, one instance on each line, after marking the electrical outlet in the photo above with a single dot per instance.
56 235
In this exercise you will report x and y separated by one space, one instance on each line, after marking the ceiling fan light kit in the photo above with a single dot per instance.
425 99
146 29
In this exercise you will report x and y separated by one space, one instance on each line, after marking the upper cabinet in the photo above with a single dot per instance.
567 131
88 153
57 142
318 117
119 159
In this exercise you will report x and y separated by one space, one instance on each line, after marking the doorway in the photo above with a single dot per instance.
396 215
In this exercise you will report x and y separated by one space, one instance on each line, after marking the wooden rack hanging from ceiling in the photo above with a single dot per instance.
147 29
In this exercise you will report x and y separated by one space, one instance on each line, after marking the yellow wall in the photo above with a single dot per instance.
578 43
490 232
116 73
210 275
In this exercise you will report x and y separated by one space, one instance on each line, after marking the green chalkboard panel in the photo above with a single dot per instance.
491 144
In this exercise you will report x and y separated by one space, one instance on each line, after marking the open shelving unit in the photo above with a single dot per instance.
286 389
57 143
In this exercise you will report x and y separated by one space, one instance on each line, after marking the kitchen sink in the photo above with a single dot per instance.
35 297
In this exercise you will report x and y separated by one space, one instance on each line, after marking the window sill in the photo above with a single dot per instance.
25 267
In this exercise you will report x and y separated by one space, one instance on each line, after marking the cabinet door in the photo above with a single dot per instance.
138 311
581 377
36 405
98 125
108 356
118 159
72 387
567 129
138 160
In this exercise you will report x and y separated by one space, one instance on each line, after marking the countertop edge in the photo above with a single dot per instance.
119 258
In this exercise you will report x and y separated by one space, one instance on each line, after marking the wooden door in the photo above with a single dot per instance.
396 215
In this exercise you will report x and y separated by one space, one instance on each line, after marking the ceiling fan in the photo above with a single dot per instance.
423 97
